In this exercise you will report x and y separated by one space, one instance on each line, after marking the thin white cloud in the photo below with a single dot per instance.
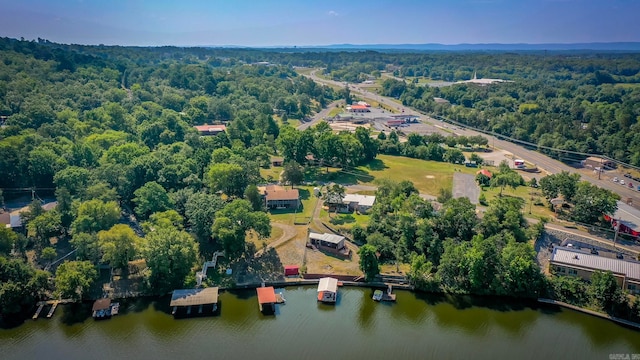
332 13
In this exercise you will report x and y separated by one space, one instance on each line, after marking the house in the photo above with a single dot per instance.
358 108
596 162
277 161
359 203
267 299
363 103
210 130
332 243
328 290
194 302
439 100
569 262
13 219
277 197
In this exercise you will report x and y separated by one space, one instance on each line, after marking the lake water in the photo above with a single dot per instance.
416 327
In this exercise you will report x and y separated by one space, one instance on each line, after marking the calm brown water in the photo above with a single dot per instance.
416 327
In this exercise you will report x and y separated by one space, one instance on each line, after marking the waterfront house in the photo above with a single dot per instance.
194 302
570 262
267 299
328 290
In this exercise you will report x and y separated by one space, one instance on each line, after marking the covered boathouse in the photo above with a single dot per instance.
194 302
328 290
267 299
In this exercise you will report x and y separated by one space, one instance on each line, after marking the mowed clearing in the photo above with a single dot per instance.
427 176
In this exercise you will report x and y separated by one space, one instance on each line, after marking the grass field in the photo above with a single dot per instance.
345 221
273 172
427 176
335 111
526 193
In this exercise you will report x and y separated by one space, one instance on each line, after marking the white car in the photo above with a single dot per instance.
621 182
615 179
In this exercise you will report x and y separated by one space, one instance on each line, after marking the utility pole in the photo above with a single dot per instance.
615 237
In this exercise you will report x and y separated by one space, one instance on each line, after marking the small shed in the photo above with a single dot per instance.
267 299
291 270
277 161
485 172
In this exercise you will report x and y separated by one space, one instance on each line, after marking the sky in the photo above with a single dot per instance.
311 22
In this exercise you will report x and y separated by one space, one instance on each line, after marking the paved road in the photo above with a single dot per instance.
319 116
543 162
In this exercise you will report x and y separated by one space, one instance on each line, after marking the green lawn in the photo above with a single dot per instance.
273 172
427 176
526 193
335 111
344 220
289 216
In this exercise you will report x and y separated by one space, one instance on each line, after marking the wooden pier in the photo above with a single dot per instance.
54 305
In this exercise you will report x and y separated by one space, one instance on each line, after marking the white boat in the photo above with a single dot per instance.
377 295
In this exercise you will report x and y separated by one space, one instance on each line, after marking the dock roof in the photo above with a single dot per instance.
630 269
101 304
328 284
191 297
266 295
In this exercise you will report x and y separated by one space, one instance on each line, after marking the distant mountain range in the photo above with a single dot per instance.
597 46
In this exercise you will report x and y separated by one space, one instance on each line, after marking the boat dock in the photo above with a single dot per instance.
54 305
388 295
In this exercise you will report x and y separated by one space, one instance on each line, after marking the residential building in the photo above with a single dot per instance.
277 197
277 161
571 262
359 203
210 130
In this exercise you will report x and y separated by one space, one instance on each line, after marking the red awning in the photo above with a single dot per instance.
291 270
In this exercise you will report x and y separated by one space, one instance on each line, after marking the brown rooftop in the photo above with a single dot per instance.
288 194
101 304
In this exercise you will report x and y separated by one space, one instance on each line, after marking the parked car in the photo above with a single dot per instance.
594 251
621 182
627 175
619 256
615 179
630 184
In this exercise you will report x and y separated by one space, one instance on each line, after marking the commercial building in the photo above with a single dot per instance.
570 262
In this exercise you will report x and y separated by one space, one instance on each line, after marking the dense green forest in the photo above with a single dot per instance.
110 131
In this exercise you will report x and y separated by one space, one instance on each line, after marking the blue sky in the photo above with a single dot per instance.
311 22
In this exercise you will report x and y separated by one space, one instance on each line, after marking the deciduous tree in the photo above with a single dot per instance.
74 278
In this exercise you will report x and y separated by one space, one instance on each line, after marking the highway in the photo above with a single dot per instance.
542 161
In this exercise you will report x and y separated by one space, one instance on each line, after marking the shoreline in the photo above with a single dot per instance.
619 321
